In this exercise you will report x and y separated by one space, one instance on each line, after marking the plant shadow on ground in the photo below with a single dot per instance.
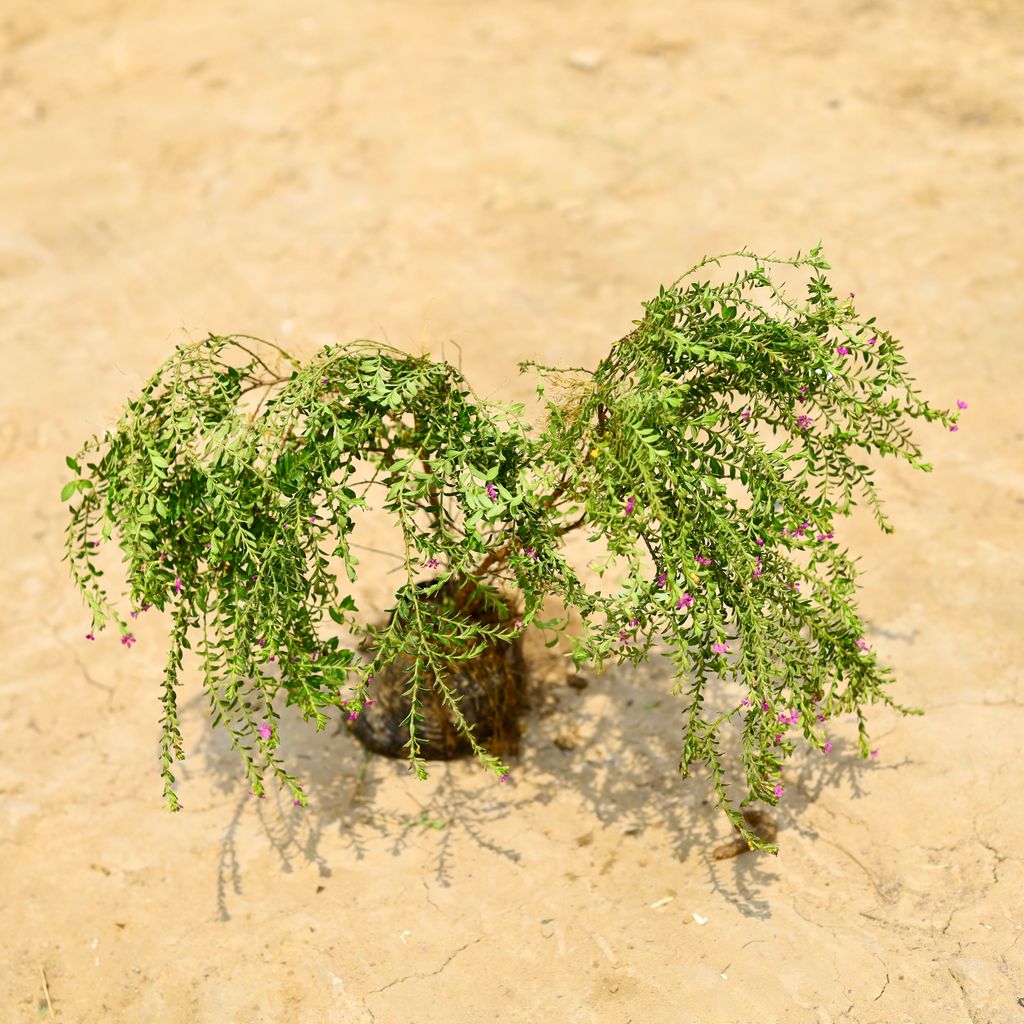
622 762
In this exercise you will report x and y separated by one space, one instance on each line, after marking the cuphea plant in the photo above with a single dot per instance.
227 515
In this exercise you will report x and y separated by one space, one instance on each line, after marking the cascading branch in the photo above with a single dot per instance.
227 515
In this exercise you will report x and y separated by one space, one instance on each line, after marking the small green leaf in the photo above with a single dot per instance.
68 490
72 464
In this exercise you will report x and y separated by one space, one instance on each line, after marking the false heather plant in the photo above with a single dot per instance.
227 516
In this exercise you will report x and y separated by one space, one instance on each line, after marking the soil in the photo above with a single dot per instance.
494 183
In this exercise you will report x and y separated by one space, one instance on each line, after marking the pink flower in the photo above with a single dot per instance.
89 636
634 622
954 428
872 341
863 645
352 717
504 777
778 789
720 648
313 519
128 639
298 803
874 755
323 380
803 389
519 624
661 580
745 702
685 601
778 739
821 718
828 746
961 405
262 642
803 422
703 561
177 585
745 415
368 703
760 543
432 563
266 730
843 350
273 657
764 705
491 492
163 554
530 553
630 504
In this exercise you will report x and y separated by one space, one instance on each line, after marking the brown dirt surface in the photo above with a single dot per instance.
516 178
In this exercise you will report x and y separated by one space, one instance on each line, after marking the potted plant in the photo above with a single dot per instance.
227 513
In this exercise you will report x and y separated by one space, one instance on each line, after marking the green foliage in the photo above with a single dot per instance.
246 507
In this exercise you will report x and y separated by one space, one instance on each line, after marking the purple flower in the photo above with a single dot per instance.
177 585
530 553
874 755
128 639
872 341
630 504
821 718
634 622
313 519
720 648
685 601
324 381
961 405
803 422
863 645
96 543
954 428
764 705
89 636
745 702
369 702
492 493
266 730
778 789
352 717
843 350
702 560
504 777
298 803
828 746
519 625
745 415
273 657
623 636
661 580
760 543
778 739
432 563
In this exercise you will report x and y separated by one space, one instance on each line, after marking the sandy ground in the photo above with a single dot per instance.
517 177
